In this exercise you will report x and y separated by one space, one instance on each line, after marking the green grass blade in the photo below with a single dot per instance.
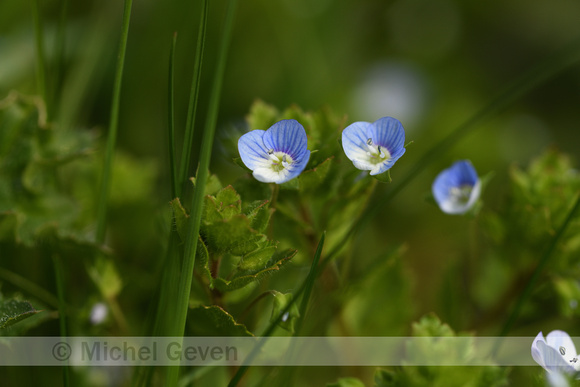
60 51
539 74
305 288
171 114
41 67
201 178
525 294
192 108
113 128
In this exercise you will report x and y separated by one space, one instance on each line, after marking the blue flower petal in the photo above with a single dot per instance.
252 149
388 132
354 140
457 188
287 136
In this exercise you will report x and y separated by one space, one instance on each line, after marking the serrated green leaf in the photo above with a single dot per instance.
281 300
313 178
233 236
347 382
214 321
180 217
259 214
430 325
228 202
210 211
13 311
262 115
202 259
224 205
257 259
244 278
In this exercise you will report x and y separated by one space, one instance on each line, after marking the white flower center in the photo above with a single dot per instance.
375 153
280 160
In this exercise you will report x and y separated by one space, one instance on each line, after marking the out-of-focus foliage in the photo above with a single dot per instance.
431 326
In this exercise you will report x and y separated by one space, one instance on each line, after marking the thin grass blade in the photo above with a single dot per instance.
201 178
192 108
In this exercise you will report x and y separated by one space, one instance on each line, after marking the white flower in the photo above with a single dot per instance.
556 353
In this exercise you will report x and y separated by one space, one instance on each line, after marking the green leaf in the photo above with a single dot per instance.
224 205
430 325
233 236
243 278
313 178
228 202
259 214
347 382
262 115
289 318
202 259
13 311
258 259
212 186
180 217
384 177
210 210
215 321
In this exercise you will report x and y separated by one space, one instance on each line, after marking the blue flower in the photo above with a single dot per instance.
457 188
374 147
276 155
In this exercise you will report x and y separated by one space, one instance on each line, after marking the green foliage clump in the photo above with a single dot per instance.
431 349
